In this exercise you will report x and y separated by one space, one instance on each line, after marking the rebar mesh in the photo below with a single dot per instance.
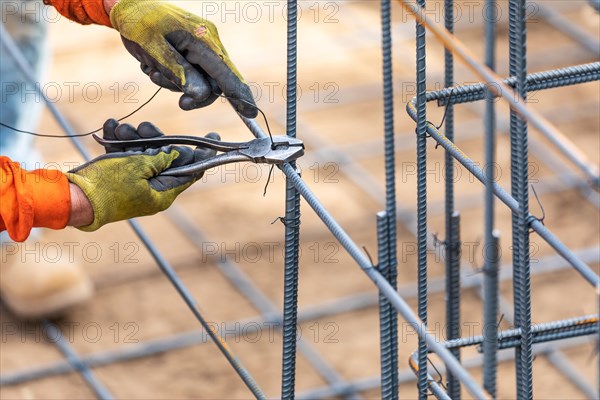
392 300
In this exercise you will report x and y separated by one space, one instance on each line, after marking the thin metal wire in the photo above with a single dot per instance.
432 384
163 264
507 199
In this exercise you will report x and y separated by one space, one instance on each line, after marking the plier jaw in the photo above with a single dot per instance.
276 150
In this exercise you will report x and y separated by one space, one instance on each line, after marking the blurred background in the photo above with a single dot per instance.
226 218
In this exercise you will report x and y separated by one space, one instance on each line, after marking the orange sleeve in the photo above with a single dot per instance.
40 198
85 12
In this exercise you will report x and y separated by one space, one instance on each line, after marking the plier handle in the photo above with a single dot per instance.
279 150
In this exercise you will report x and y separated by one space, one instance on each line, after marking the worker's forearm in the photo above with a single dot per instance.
109 4
82 213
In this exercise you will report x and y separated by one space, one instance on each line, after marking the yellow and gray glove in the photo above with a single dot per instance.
122 185
181 52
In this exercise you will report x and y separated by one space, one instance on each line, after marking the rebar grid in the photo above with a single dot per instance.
522 220
398 301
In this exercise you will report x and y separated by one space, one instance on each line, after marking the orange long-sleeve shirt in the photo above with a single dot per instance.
42 198
83 11
28 199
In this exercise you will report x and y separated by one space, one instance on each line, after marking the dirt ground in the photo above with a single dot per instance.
341 121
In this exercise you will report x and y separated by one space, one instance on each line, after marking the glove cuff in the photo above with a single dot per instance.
97 202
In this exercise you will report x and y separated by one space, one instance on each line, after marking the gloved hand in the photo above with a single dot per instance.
181 52
122 185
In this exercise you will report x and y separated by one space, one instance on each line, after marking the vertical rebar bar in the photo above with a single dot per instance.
491 251
385 321
453 245
452 220
292 220
390 180
490 313
422 200
520 191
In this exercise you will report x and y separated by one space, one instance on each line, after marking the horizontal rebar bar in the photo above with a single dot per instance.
555 78
541 332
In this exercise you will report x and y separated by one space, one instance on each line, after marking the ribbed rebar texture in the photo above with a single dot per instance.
452 218
544 332
292 220
422 200
385 309
453 245
491 249
390 183
520 191
490 314
555 78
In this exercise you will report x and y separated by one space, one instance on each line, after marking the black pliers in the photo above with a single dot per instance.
275 150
